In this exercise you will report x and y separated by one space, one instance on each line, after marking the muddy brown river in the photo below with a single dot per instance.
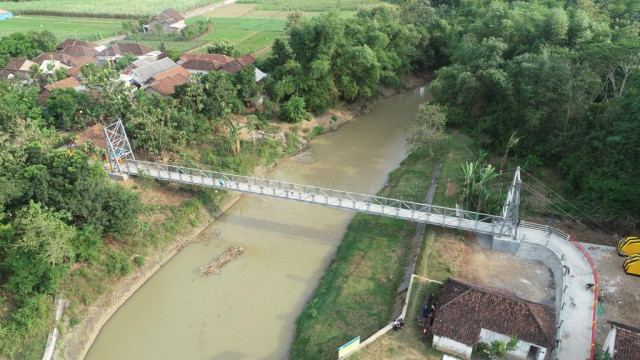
248 311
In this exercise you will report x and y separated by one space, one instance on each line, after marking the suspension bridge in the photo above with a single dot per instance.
506 230
504 226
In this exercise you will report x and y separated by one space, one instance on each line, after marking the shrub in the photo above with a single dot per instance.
293 111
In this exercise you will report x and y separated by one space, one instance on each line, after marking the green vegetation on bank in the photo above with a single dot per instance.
356 297
113 8
70 27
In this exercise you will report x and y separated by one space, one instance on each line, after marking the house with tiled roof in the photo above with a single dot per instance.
231 67
16 69
203 63
74 42
118 50
169 21
623 342
79 51
68 83
93 135
473 312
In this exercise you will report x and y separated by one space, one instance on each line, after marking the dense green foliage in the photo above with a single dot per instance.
329 58
223 47
564 76
28 45
51 202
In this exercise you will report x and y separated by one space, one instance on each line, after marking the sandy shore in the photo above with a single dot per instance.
77 341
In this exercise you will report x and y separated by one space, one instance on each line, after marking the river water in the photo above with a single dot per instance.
248 311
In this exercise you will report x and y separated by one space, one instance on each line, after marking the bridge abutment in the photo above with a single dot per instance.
505 244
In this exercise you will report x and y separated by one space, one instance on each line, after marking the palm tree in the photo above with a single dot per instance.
512 142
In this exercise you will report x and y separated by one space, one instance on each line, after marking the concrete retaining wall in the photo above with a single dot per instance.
535 252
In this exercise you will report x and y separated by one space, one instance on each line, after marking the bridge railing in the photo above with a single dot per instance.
546 228
230 181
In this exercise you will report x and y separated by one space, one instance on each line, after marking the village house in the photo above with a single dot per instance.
68 83
622 342
4 14
114 52
141 75
92 135
168 22
164 83
203 63
16 69
471 312
74 42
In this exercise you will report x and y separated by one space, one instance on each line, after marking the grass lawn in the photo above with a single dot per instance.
63 27
305 5
356 296
405 344
249 35
98 7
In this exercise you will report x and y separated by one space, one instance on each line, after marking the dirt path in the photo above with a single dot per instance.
106 41
262 51
204 9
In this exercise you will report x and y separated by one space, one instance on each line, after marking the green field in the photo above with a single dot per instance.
98 7
62 28
306 5
249 35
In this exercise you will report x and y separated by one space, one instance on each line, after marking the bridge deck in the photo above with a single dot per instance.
422 213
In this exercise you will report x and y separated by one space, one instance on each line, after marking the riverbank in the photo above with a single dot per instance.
76 346
357 295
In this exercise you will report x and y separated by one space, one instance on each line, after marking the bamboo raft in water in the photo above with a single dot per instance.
217 264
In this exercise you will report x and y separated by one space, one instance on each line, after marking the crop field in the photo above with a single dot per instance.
102 8
249 35
306 5
69 27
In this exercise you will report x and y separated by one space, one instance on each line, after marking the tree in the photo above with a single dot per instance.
498 348
293 110
37 75
66 106
512 142
125 61
45 233
28 45
476 195
428 128
223 47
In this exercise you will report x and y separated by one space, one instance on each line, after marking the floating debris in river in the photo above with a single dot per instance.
217 264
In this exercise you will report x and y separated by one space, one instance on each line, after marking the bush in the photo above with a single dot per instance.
293 111
318 130
118 264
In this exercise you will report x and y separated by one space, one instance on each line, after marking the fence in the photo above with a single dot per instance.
545 241
592 264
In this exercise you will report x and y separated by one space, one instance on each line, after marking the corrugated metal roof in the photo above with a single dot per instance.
144 73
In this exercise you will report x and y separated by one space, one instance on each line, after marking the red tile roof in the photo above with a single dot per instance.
67 83
95 134
169 16
79 51
118 49
58 56
178 70
467 307
246 60
232 67
201 65
627 344
18 64
222 59
166 85
71 42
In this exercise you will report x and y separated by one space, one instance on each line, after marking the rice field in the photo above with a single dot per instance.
63 27
306 5
249 35
103 8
